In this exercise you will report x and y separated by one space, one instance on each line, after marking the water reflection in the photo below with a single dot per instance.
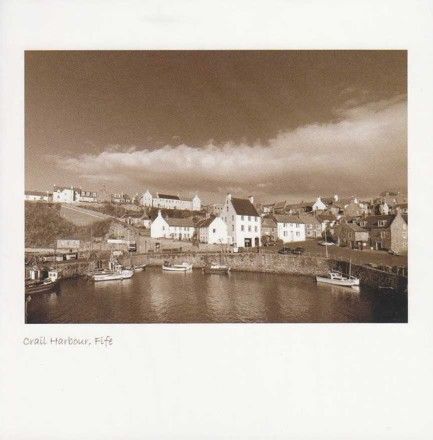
156 296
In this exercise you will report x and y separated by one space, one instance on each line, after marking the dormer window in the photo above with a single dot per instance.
381 223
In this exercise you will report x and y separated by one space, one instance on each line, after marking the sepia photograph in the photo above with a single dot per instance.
216 186
205 220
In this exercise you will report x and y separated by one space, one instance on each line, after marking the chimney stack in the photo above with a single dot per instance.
251 199
229 196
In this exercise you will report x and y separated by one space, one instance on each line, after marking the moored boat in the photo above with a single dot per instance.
214 268
338 279
139 268
48 285
121 274
171 267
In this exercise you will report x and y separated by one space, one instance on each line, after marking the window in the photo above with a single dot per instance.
255 228
233 218
242 227
249 218
298 234
227 208
214 230
242 217
233 228
249 228
285 233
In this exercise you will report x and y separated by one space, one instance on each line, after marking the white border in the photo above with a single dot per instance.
218 381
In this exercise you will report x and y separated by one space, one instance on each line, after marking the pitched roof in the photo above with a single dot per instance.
182 222
284 218
309 219
355 227
205 222
373 221
244 207
167 196
268 222
326 216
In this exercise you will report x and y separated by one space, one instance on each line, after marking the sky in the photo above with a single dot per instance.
279 125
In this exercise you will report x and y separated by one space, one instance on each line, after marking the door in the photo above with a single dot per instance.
256 242
247 242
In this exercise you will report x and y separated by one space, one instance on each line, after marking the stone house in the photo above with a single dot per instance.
387 232
352 235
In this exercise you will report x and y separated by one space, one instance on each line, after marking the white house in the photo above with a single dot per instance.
37 196
88 196
176 228
243 221
66 195
212 230
318 205
290 228
167 201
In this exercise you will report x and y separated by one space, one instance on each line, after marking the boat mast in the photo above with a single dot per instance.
326 245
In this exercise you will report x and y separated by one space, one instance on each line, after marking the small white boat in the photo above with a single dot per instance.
184 267
139 268
216 268
338 279
121 274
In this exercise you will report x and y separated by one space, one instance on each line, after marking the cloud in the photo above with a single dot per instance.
362 152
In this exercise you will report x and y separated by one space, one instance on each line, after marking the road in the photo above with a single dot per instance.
312 247
81 216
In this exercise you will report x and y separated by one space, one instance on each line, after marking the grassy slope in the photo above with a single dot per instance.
44 225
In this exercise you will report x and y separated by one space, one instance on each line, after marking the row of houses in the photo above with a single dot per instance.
238 223
387 203
78 195
379 232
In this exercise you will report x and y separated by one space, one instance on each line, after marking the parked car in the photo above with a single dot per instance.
298 251
285 251
393 252
326 243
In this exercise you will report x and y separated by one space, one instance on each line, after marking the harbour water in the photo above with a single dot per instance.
153 296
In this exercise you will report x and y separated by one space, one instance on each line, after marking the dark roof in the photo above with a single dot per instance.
205 222
268 222
326 216
182 222
244 207
373 221
167 196
355 227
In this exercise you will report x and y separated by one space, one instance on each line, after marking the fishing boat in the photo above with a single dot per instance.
171 267
215 268
118 274
338 279
48 285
